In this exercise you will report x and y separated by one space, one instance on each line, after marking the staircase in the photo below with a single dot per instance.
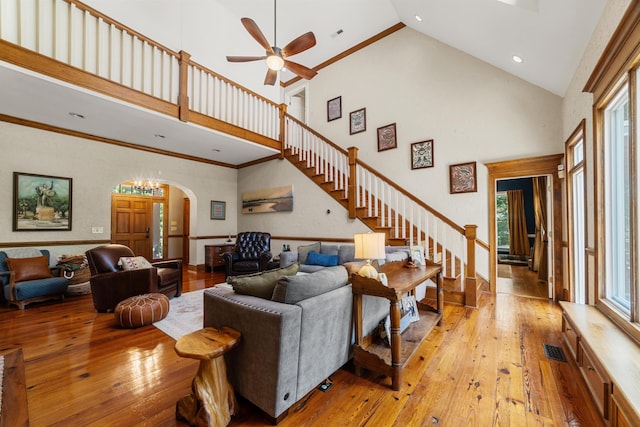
385 207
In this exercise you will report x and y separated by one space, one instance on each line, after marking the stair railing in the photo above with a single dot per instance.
406 219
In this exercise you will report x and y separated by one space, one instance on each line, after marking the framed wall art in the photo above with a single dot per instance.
358 121
462 178
277 199
218 209
422 154
334 108
387 137
41 202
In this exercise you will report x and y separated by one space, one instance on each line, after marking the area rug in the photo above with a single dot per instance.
185 315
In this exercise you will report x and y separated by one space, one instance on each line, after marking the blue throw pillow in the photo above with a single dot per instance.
314 258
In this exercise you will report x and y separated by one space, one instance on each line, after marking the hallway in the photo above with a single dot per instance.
519 280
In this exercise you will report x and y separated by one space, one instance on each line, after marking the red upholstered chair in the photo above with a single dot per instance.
110 284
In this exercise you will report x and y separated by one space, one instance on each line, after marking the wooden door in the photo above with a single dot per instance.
131 222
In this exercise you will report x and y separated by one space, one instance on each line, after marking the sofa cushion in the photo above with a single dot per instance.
346 253
260 284
29 268
354 266
303 251
134 262
329 249
292 289
314 258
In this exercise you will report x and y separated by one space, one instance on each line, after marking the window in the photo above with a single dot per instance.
618 227
502 220
576 213
613 83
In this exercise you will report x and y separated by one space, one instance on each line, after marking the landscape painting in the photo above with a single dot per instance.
278 199
41 202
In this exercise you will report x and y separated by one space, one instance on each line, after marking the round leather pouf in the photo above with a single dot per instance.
141 310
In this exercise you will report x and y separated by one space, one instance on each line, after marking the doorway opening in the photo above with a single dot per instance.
522 224
298 103
545 235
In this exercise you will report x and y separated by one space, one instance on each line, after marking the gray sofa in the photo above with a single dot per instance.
345 256
293 342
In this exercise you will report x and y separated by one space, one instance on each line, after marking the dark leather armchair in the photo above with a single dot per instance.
251 254
110 284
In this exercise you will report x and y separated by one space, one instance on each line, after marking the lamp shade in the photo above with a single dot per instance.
369 245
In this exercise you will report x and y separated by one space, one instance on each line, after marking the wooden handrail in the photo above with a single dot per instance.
437 214
232 83
122 27
308 129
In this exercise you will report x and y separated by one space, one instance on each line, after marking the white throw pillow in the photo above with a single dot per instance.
134 262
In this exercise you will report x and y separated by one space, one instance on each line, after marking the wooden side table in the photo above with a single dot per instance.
212 401
213 255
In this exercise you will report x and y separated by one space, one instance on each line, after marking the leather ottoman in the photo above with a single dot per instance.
141 310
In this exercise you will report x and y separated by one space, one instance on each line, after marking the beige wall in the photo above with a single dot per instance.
95 169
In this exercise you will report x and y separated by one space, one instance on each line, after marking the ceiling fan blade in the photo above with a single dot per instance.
300 44
301 70
244 58
270 78
255 32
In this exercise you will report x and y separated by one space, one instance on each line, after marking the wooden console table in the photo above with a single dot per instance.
370 354
212 401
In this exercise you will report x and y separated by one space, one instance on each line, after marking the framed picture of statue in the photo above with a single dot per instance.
41 202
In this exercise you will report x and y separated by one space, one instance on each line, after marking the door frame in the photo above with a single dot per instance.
532 166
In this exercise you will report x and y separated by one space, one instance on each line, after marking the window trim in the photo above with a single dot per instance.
578 135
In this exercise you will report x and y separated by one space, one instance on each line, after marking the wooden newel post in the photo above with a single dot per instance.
283 111
470 282
183 98
353 181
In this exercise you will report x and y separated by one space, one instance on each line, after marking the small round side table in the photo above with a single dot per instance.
212 401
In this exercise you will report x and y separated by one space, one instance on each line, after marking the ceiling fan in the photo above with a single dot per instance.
274 56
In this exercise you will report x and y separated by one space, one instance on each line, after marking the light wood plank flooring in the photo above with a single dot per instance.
481 367
519 280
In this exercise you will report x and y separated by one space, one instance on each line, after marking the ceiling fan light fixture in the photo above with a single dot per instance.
275 62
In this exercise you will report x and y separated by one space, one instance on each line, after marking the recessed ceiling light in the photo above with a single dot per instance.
76 115
418 18
517 59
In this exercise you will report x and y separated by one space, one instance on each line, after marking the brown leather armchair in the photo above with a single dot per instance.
110 284
251 254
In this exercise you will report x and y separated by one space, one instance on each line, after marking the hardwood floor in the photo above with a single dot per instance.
481 367
519 280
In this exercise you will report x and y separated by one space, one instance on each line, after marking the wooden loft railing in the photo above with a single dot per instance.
384 206
70 41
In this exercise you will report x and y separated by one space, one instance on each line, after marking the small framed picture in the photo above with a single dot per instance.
387 137
422 154
218 209
358 121
417 256
334 108
382 278
462 178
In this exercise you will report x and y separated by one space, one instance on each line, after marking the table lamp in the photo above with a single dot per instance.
369 246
